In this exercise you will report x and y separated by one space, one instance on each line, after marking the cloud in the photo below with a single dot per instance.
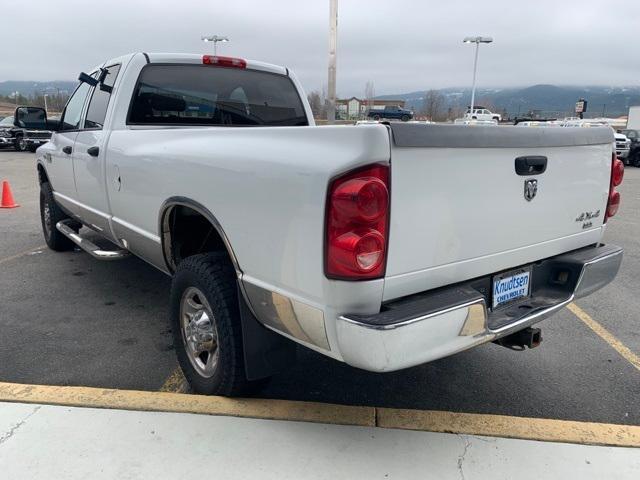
401 45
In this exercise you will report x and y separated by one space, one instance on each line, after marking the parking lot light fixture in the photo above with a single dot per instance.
215 39
477 40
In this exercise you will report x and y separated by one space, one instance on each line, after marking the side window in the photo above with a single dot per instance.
73 111
100 99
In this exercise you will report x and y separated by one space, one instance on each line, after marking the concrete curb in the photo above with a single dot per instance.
547 430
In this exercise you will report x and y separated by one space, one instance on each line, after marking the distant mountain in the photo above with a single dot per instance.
545 100
28 88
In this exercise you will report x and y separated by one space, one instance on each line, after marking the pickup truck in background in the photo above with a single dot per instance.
380 245
623 147
12 134
634 146
481 113
390 112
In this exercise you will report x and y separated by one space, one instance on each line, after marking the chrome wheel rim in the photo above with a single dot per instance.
22 144
199 333
46 217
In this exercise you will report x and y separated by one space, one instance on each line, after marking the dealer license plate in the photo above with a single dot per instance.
511 286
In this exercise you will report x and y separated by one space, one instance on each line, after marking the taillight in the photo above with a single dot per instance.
617 174
224 61
357 224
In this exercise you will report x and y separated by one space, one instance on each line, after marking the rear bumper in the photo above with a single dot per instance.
435 324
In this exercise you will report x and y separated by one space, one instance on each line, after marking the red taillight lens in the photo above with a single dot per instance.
224 61
357 224
617 174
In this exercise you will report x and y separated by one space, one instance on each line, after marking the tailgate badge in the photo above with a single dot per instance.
530 189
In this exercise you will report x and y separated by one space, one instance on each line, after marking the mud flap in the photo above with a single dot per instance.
265 352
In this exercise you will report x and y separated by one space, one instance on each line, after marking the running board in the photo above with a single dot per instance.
88 246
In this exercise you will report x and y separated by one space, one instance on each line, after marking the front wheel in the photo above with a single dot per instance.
205 320
376 117
635 160
404 118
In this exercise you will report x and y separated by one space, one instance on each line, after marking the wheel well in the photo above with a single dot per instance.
187 231
42 175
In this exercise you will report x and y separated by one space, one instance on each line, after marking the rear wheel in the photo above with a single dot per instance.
205 319
50 215
21 144
635 160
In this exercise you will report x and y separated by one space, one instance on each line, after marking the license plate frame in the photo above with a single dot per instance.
513 294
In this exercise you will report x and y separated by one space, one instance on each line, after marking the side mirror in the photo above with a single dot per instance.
31 118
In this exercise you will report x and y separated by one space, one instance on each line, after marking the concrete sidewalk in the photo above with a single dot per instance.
55 442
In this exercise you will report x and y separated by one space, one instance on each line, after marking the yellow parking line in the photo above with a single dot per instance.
603 333
175 382
541 429
424 420
182 403
21 254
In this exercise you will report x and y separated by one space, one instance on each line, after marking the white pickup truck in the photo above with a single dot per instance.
380 245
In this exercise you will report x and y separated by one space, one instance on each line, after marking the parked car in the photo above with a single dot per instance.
391 112
10 135
481 113
634 149
343 239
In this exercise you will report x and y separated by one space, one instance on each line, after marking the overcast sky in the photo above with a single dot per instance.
401 45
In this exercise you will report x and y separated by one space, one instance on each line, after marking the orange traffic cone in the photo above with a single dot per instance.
7 197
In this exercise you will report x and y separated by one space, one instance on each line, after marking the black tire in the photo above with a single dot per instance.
32 148
20 144
635 161
404 118
213 275
376 117
50 214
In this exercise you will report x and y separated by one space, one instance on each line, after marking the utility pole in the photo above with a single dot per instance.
333 40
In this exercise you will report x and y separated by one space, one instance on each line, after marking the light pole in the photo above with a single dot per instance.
215 39
477 41
45 102
333 43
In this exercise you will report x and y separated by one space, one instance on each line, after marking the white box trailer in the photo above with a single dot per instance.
633 122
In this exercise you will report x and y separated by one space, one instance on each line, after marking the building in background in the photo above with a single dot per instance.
356 108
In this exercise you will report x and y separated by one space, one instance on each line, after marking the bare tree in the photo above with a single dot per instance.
433 105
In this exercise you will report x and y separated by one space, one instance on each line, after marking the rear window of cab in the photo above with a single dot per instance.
220 96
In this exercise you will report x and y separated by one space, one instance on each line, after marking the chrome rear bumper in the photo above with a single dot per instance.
432 325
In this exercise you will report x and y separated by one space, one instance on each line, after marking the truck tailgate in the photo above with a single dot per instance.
459 209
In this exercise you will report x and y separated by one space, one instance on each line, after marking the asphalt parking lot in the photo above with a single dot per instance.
67 319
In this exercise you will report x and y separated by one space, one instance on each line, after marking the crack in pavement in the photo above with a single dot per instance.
461 457
6 436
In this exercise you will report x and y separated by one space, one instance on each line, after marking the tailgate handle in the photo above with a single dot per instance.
531 165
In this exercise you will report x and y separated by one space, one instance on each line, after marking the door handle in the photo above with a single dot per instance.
67 150
531 165
93 151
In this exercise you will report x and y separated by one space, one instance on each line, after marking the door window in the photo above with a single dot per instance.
73 111
99 102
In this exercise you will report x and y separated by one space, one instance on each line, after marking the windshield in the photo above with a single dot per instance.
6 122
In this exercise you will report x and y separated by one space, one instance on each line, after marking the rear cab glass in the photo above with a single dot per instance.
204 95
